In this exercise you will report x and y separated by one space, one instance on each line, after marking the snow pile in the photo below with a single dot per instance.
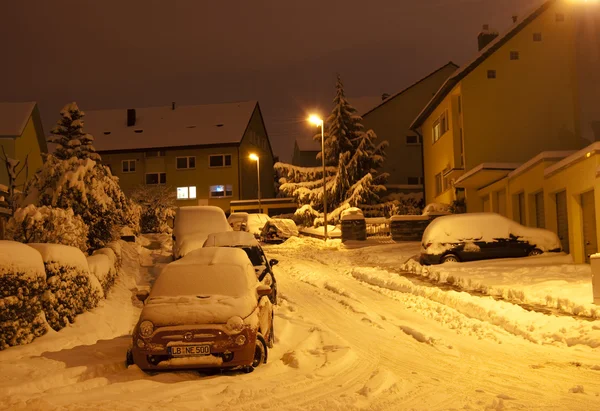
48 225
22 283
101 267
436 208
71 289
352 213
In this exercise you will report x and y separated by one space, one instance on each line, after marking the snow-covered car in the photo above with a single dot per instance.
246 241
205 311
252 223
478 236
277 230
192 226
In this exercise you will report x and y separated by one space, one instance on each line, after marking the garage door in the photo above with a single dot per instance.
485 202
521 207
501 202
590 242
562 221
540 216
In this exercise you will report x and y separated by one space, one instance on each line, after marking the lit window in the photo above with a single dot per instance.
186 162
491 74
219 160
537 36
128 166
440 126
156 178
514 55
184 193
220 191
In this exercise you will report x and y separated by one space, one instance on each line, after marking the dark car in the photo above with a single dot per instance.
277 230
246 241
478 236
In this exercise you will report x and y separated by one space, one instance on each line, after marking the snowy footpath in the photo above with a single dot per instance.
352 333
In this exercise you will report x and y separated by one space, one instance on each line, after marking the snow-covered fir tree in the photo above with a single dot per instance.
69 136
352 179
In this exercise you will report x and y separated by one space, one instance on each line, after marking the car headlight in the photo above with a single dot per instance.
240 340
235 324
146 329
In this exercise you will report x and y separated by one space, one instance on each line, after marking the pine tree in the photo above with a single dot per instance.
69 136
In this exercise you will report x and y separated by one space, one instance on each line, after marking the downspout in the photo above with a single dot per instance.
416 130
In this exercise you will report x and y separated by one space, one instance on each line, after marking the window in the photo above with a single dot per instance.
445 179
491 74
128 166
438 184
537 36
514 55
412 140
440 126
186 162
184 193
156 178
219 160
221 191
560 17
155 153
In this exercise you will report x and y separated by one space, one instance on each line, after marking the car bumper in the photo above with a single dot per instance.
429 259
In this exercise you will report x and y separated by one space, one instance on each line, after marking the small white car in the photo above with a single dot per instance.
252 223
192 226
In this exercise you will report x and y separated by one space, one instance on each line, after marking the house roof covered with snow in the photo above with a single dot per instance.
169 126
14 118
487 51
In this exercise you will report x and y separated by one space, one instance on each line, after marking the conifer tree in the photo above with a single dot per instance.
69 136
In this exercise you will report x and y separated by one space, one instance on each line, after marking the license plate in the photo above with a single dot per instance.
190 350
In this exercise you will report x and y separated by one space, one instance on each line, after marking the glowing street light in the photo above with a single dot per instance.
254 157
318 121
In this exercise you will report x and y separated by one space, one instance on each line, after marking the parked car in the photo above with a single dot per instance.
246 241
205 311
277 230
477 236
252 223
193 224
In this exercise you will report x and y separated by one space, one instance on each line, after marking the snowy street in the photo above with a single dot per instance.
351 333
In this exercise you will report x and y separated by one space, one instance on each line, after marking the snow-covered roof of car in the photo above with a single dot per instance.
231 239
217 256
204 219
157 127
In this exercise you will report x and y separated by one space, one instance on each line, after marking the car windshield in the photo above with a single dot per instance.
255 255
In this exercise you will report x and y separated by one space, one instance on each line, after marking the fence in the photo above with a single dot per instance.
378 227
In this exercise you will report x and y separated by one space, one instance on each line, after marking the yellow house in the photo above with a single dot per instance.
533 89
202 152
21 137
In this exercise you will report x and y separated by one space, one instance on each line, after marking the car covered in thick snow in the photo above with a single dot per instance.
205 311
192 226
246 241
277 230
478 236
252 223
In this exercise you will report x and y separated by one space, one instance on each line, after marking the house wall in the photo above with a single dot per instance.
8 144
305 158
391 122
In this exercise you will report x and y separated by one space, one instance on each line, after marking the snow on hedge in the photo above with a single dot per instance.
22 283
103 269
71 289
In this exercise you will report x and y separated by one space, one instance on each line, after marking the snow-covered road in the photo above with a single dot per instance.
351 335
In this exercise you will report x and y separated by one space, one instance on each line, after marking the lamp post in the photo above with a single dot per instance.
317 121
257 159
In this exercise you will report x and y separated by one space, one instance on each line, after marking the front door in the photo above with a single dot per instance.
562 220
590 241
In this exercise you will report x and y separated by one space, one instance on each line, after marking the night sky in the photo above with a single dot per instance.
136 53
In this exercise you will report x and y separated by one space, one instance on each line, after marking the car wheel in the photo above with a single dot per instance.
450 258
129 358
260 352
535 251
273 296
271 335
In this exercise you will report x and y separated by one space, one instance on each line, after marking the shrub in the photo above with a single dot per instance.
103 268
157 207
48 225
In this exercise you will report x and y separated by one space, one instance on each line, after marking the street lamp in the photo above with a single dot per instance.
317 121
257 159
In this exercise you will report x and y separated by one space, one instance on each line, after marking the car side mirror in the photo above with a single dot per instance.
273 261
142 295
263 290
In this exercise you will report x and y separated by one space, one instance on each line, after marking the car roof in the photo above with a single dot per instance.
231 239
215 256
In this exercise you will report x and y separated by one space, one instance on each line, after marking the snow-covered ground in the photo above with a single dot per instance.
352 334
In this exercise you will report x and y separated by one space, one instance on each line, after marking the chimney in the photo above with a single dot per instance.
173 106
486 36
384 96
515 18
130 117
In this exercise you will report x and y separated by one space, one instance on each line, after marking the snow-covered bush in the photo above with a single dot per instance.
103 269
306 215
157 207
70 289
89 189
117 249
48 225
22 283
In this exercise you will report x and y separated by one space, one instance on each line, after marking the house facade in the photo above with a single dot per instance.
527 91
202 152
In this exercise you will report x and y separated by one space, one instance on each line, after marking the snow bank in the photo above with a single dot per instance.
63 254
436 208
103 270
19 258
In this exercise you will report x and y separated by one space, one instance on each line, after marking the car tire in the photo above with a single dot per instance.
260 352
129 358
450 258
535 251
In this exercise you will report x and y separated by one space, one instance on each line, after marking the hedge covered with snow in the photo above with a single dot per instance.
22 283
